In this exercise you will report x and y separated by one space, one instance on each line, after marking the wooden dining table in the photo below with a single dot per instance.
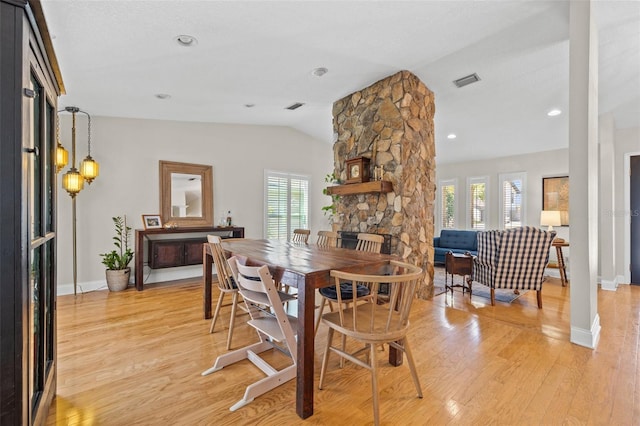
305 267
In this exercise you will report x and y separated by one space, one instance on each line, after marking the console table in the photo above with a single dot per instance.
174 249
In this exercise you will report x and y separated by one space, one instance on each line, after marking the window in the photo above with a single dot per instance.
286 204
477 207
448 204
512 200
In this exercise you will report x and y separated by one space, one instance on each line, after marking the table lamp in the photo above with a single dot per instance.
550 218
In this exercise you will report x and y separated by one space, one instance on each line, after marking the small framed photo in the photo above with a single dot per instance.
151 221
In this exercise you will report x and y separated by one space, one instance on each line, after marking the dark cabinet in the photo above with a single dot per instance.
172 253
168 248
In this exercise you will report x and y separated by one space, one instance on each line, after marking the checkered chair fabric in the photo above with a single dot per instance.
513 259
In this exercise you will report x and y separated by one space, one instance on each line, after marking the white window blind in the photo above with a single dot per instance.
286 204
477 203
448 204
512 200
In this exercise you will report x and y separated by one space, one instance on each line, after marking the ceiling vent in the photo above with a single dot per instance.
465 81
294 106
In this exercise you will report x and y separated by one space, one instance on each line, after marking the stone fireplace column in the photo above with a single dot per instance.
391 122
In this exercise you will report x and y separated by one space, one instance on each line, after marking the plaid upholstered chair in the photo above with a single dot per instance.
513 259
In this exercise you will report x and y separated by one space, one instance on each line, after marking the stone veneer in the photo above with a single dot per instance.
391 122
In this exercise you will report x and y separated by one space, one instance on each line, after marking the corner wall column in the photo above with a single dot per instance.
583 173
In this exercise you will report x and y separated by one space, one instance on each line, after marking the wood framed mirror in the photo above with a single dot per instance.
186 194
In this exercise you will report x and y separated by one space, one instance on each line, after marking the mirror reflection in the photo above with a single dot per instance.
186 195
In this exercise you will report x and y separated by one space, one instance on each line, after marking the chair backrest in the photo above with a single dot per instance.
370 242
514 259
259 290
226 279
300 236
327 239
384 315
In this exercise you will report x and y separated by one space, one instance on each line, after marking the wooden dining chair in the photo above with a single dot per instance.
274 327
366 242
226 284
300 236
327 239
369 242
374 322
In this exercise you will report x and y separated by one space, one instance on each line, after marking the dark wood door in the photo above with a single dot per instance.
193 251
28 101
166 254
635 219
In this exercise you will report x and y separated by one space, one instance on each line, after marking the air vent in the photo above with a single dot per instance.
294 106
465 81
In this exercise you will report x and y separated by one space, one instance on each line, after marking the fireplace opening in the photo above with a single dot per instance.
350 240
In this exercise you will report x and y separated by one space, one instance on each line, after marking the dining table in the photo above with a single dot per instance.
305 267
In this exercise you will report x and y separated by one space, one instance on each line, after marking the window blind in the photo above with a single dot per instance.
286 204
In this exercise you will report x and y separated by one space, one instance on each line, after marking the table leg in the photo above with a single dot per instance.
139 261
306 336
561 266
207 262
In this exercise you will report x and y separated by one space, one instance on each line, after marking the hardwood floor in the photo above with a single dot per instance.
135 358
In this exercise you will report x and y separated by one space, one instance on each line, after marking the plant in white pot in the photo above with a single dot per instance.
117 261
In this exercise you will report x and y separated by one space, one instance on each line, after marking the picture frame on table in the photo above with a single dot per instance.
151 221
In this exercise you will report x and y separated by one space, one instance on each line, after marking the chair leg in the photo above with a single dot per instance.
325 358
215 315
412 367
539 294
322 303
493 297
374 384
232 321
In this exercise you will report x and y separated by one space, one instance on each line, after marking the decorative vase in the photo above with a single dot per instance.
118 280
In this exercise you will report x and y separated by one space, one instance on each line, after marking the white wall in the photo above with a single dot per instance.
536 166
128 151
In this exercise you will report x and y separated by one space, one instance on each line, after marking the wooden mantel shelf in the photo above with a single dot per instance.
382 186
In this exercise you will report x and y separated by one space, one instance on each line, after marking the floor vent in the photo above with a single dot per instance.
465 81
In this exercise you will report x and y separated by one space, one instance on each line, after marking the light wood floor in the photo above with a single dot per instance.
135 358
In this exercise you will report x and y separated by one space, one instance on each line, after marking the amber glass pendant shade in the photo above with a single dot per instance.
89 168
72 182
62 157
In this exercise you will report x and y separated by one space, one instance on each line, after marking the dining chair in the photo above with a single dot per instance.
375 321
274 327
226 284
300 236
327 239
366 242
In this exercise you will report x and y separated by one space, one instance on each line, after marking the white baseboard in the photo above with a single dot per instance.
587 338
609 285
620 280
84 287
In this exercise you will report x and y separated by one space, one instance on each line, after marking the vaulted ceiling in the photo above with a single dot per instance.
251 59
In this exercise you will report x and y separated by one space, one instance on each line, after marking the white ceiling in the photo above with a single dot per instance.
115 56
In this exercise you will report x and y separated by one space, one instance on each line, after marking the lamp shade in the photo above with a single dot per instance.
62 157
72 182
550 218
89 168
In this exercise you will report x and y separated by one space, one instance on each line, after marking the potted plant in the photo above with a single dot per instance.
332 208
117 261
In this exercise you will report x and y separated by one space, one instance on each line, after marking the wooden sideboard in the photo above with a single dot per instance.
173 249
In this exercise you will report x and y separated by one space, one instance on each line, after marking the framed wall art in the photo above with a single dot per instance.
555 196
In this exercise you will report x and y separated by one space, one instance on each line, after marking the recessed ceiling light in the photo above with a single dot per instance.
186 40
162 96
451 136
319 72
554 112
